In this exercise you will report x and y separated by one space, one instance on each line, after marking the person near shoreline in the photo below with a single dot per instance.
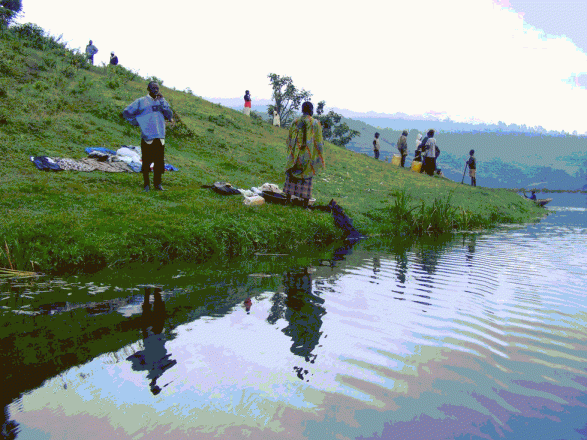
113 59
376 146
422 148
91 50
150 113
305 155
247 109
533 196
429 149
276 120
418 151
472 164
402 146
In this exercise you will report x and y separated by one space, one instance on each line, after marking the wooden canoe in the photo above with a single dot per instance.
543 202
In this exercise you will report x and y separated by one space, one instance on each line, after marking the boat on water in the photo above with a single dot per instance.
543 202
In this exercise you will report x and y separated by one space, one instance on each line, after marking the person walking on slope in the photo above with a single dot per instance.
247 110
472 164
305 155
150 113
429 149
402 146
376 146
91 50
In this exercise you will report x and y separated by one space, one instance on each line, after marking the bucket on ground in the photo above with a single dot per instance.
396 160
416 166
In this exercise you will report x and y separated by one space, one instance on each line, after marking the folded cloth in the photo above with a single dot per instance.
100 156
127 152
45 163
224 188
136 166
170 167
272 187
89 150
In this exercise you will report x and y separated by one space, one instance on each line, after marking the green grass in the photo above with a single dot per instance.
72 221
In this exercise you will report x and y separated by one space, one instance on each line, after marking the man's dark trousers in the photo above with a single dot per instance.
153 153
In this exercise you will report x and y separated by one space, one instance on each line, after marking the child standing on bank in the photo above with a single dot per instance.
472 163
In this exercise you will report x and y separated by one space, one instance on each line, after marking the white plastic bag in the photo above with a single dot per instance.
254 201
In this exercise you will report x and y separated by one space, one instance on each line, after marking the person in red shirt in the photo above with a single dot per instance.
247 103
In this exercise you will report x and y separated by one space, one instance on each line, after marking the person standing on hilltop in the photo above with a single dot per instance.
402 146
150 113
376 146
472 164
429 149
247 103
305 155
113 59
91 50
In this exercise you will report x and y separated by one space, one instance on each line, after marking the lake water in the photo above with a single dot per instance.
475 336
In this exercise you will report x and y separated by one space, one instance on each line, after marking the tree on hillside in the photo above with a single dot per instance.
9 9
332 129
287 97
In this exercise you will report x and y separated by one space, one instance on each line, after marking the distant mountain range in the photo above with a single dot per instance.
509 156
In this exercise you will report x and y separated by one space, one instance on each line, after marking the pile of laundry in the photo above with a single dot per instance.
268 192
125 159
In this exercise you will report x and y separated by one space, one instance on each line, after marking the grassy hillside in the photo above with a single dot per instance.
54 104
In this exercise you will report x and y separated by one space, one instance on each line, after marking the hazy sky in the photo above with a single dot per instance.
517 61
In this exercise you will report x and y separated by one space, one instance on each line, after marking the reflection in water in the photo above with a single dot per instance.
303 310
154 357
402 265
376 265
9 427
470 241
248 303
499 353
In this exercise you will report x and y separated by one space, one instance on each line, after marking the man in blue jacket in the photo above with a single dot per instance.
150 113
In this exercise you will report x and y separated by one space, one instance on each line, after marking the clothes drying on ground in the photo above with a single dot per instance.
114 167
45 163
74 165
130 153
101 150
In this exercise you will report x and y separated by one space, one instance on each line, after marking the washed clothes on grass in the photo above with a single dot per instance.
305 148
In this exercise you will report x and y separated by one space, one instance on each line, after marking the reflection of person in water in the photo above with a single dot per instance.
304 312
9 427
402 266
376 265
471 246
154 358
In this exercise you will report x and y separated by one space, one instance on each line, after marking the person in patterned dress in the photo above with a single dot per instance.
305 159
